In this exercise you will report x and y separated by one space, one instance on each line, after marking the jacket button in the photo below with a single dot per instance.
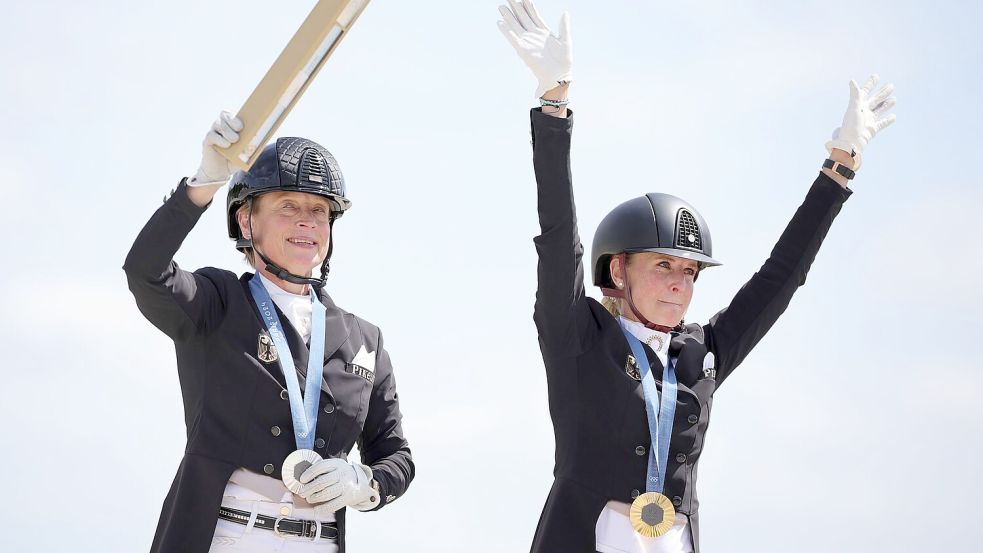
692 419
319 443
284 394
634 494
275 431
329 408
268 468
681 457
677 501
640 450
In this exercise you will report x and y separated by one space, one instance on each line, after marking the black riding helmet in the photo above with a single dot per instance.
654 222
289 165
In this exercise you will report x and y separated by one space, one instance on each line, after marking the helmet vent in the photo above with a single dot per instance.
312 168
688 232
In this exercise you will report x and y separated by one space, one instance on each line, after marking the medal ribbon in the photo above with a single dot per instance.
659 419
303 410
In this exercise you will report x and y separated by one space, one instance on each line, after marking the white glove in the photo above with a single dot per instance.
865 116
549 57
214 168
331 484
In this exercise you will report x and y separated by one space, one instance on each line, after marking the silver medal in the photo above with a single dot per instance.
294 465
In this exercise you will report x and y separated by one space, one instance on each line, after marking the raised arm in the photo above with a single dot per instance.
178 302
734 331
560 271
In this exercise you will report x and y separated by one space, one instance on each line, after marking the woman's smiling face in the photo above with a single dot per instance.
292 229
661 285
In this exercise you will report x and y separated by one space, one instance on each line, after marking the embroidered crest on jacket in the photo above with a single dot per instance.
631 368
266 351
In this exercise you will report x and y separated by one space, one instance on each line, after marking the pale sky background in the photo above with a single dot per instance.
854 426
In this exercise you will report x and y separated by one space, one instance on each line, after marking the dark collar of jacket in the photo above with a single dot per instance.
337 329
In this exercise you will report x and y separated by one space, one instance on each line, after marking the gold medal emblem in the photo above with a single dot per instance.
266 351
652 514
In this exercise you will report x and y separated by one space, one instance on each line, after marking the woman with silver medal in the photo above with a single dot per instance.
278 382
630 385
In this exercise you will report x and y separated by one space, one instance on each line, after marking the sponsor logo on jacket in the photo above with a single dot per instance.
363 365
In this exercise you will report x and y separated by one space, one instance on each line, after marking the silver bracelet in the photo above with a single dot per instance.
559 104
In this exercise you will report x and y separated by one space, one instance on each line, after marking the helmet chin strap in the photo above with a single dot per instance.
284 274
626 295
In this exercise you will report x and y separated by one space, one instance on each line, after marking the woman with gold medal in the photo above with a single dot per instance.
630 385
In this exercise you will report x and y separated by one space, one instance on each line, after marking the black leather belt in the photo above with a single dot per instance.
281 526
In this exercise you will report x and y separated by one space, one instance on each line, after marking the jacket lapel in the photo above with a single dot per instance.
336 333
337 327
655 365
689 360
336 330
684 359
299 350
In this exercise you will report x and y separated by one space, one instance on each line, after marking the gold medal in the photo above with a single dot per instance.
652 514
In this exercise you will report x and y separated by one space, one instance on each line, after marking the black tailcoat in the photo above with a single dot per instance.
233 400
598 410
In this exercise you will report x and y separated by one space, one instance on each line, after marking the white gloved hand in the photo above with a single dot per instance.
865 117
549 57
214 168
331 484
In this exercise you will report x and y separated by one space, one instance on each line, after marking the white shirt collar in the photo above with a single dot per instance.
658 341
297 307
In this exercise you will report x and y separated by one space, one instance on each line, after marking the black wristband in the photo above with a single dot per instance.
839 168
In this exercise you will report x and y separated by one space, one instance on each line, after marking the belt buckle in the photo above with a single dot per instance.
309 529
276 528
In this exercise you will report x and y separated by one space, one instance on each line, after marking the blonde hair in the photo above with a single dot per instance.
248 254
613 305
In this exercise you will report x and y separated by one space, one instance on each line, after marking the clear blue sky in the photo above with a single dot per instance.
854 426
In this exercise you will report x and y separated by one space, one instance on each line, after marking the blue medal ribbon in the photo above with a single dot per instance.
660 413
303 410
